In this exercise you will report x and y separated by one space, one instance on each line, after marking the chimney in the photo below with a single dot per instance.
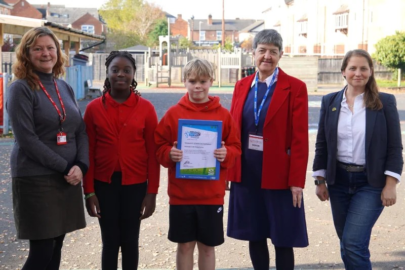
48 12
209 20
179 16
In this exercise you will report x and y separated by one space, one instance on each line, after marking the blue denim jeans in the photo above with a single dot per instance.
356 207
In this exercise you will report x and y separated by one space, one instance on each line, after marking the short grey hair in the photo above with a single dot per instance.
268 36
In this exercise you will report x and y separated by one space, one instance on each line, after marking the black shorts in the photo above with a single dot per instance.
202 223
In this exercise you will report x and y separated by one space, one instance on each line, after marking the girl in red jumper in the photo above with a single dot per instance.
123 177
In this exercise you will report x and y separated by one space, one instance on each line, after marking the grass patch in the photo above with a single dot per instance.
389 83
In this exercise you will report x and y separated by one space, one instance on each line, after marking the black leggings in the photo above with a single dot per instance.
44 254
259 254
120 208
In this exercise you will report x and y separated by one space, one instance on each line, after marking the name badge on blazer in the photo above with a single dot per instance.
255 142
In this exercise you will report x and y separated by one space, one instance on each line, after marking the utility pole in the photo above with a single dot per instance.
223 23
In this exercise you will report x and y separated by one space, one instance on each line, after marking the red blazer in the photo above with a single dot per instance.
285 132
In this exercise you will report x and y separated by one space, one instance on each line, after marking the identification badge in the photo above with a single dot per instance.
61 138
255 142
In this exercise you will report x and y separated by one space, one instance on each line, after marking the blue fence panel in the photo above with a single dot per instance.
76 76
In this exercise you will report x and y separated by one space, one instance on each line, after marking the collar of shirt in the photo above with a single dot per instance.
268 79
130 102
358 101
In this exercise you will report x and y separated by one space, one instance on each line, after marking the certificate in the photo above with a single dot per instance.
198 139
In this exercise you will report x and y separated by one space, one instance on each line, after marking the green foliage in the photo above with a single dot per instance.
117 13
132 20
160 29
184 43
228 46
390 51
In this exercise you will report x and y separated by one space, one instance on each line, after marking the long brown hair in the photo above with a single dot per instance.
24 69
371 96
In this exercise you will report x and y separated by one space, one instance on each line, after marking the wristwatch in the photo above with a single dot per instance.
318 182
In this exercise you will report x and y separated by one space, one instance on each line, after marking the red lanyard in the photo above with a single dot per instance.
62 117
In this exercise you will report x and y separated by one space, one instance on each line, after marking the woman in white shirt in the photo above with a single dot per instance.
358 156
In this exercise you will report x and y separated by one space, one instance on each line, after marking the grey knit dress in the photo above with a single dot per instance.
45 205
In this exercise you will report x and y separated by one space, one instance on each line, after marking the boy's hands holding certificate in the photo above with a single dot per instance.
220 153
175 154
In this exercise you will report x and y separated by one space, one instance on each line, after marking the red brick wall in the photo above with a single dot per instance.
179 27
24 9
88 19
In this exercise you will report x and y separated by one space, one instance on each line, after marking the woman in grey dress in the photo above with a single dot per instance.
50 155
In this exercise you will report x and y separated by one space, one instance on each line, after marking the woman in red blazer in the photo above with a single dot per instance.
271 111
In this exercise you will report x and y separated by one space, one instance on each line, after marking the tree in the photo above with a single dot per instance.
129 21
227 47
160 29
145 19
247 44
390 52
184 43
117 13
117 40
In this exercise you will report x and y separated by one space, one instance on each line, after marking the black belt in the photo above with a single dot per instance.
351 167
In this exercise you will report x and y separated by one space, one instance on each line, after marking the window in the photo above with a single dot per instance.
55 15
65 15
202 35
342 21
219 35
88 29
172 20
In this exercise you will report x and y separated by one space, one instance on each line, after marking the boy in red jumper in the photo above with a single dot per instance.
196 206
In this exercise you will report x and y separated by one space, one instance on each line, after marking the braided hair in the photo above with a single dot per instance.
112 56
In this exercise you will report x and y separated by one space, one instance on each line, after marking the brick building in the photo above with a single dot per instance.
209 32
179 27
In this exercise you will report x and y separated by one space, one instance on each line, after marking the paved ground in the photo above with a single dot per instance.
82 248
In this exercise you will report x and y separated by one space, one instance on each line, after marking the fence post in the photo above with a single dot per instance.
79 81
240 64
5 115
219 67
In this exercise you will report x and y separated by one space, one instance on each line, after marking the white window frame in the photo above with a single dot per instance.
202 35
88 28
342 21
219 35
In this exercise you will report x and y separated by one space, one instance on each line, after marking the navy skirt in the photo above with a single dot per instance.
257 214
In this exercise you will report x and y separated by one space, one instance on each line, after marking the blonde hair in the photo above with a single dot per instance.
199 68
24 69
